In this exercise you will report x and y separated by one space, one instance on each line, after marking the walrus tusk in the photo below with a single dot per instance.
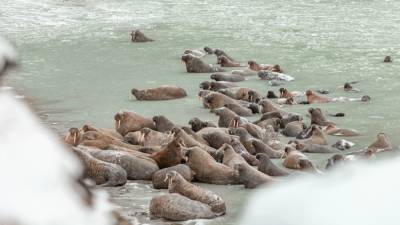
75 136
141 138
166 177
118 124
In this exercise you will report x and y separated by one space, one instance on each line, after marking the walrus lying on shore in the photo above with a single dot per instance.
381 143
103 173
257 67
126 122
108 132
196 65
216 85
170 155
165 92
297 160
268 167
198 124
138 36
314 98
159 178
162 124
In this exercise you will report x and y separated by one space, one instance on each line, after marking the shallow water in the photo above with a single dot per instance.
79 64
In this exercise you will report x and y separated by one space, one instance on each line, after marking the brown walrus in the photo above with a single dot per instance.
275 123
284 93
293 129
136 167
189 141
317 136
269 115
198 124
126 122
164 92
196 65
216 85
250 177
253 65
227 77
380 144
138 36
225 116
261 147
149 137
159 181
241 150
217 139
219 53
239 110
109 132
215 100
269 106
318 118
178 184
207 170
162 124
170 155
225 62
336 131
230 157
101 141
73 137
297 160
268 167
194 135
178 208
313 148
103 173
315 98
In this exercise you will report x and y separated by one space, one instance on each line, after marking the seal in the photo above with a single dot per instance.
250 177
268 167
196 65
207 170
253 65
225 62
318 118
162 124
197 124
136 167
297 160
138 36
159 181
388 59
314 98
178 184
126 122
176 207
227 77
170 155
103 173
336 131
164 92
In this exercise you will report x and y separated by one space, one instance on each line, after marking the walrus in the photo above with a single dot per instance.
314 98
239 110
217 139
318 118
388 59
290 118
73 137
225 116
336 131
335 160
225 62
189 141
297 160
293 129
99 140
274 122
347 87
164 92
271 94
230 157
176 207
250 177
227 77
178 184
162 124
261 147
313 148
253 65
241 150
380 144
317 137
269 115
268 167
171 154
216 100
136 167
138 36
103 173
244 137
343 144
109 132
149 137
194 135
159 181
196 65
207 170
216 85
284 93
220 53
126 122
197 124
269 106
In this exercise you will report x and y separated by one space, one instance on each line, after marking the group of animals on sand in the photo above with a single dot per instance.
233 151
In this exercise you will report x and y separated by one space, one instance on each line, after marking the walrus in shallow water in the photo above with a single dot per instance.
336 131
138 36
312 148
198 124
275 123
159 181
225 62
253 65
314 98
227 77
388 59
239 110
317 137
268 167
162 124
294 128
196 65
220 53
103 173
165 92
207 170
297 160
269 106
190 141
126 122
261 147
230 157
170 155
380 144
250 177
99 140
241 150
318 118
178 208
73 137
177 184
215 100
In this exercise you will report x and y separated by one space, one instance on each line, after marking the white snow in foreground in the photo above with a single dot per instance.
37 174
361 193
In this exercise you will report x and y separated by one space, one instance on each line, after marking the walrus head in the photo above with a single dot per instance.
205 85
222 59
253 65
208 50
219 52
137 93
173 178
73 136
347 86
271 94
288 150
334 160
186 58
196 124
309 93
277 68
365 98
87 127
388 59
143 133
235 122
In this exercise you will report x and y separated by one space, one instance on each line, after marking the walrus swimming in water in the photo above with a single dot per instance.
126 122
198 124
162 124
159 181
207 170
388 59
170 155
318 118
138 36
103 173
271 94
253 65
268 167
250 177
177 184
227 77
164 92
225 62
179 208
196 65
314 98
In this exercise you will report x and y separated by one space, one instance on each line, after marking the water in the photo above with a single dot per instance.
79 64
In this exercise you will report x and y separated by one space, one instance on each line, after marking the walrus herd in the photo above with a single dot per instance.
233 151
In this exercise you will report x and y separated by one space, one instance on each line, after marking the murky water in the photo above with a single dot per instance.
78 61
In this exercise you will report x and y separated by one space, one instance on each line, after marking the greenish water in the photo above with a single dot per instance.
79 64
